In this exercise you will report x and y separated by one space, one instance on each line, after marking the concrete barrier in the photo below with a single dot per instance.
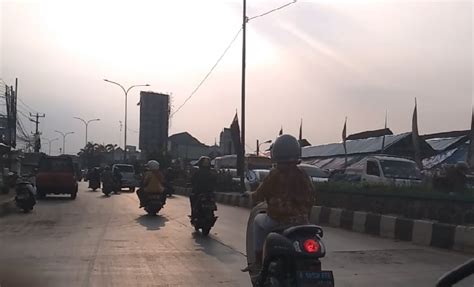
421 232
387 226
464 238
335 217
359 220
314 216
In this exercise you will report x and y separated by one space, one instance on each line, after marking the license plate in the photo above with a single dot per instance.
315 279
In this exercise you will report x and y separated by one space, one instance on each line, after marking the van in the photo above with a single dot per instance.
386 170
56 175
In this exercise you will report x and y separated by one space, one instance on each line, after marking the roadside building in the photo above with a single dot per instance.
185 146
225 143
154 121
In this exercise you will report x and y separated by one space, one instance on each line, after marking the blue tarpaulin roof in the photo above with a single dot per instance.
441 144
362 146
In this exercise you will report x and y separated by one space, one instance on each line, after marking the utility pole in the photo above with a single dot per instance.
37 145
244 34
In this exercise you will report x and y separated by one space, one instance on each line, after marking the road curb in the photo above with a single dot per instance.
421 232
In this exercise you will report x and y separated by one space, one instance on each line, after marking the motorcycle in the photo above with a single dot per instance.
203 214
94 184
169 190
291 256
154 202
107 188
25 194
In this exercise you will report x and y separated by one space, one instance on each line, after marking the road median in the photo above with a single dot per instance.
420 232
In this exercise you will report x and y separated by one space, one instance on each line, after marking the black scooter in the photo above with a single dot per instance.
153 202
203 217
25 198
291 256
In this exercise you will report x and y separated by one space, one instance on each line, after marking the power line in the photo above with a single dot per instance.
208 74
273 10
27 106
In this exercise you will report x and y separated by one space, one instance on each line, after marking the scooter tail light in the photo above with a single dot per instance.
311 246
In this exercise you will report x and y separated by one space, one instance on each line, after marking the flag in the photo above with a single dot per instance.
416 137
470 153
301 130
281 131
344 137
235 134
385 130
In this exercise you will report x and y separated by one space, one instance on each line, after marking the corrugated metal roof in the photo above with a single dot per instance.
440 144
362 146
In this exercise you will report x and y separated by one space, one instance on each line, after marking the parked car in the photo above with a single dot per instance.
386 170
315 173
56 176
129 179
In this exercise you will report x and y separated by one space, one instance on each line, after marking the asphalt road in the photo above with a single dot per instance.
99 241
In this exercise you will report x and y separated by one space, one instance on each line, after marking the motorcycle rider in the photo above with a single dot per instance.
117 176
153 181
287 190
107 178
94 176
202 181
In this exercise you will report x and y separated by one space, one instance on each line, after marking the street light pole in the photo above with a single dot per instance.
86 123
244 39
49 142
126 95
64 139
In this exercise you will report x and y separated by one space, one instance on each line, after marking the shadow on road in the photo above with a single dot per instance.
215 248
152 222
56 199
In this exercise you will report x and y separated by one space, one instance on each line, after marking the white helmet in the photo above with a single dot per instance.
153 165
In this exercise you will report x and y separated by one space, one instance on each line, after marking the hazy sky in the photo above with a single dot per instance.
317 60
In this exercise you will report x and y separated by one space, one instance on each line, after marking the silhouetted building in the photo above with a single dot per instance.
225 143
185 146
154 120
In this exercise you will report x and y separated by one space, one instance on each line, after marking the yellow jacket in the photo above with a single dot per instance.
153 182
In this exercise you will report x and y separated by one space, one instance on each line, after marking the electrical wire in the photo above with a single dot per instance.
27 106
273 10
207 75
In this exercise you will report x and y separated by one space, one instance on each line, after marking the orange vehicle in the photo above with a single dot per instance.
56 176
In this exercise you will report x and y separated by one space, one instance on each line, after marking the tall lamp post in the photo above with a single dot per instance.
64 139
86 123
126 95
259 144
50 141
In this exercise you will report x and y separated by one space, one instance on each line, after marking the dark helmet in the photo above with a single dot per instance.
204 162
286 149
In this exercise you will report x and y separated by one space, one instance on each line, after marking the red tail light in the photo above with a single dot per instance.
311 246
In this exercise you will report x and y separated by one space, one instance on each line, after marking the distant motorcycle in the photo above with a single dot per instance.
169 190
203 217
154 202
94 184
25 194
107 188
